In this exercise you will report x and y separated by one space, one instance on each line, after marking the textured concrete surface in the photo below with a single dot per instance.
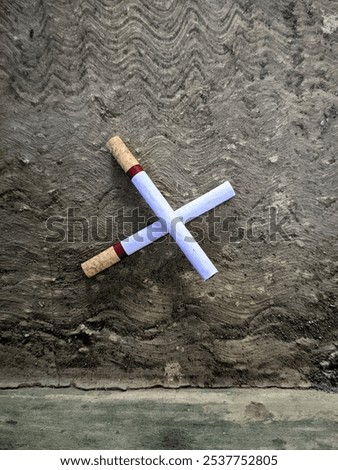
37 418
202 91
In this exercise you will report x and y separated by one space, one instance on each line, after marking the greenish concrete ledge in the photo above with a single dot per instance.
52 418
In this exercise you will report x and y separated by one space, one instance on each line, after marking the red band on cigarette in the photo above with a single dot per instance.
134 170
120 250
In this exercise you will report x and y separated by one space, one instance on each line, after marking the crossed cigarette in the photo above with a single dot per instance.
169 221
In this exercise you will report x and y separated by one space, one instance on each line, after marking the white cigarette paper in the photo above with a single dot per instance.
174 226
186 213
147 235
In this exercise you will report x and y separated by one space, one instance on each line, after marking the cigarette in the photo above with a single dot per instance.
162 209
156 230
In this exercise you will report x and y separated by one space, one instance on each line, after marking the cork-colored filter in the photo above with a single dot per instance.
123 156
100 262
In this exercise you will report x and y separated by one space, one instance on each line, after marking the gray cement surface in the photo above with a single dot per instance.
45 418
202 91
